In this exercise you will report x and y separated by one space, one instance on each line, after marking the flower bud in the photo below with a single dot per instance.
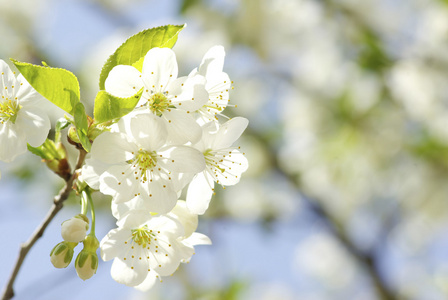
62 254
86 262
74 230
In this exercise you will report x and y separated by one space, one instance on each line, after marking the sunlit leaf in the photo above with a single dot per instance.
57 85
138 45
108 107
82 126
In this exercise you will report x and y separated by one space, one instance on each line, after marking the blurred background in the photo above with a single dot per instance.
346 196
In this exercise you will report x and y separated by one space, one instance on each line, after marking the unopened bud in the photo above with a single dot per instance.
62 254
86 262
75 229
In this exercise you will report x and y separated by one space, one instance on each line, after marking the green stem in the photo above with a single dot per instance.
88 194
84 199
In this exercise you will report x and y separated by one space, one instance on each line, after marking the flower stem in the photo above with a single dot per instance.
88 193
84 202
58 201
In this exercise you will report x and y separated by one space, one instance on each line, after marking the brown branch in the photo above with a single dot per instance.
58 201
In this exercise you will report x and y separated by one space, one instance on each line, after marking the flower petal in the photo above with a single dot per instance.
213 61
190 93
12 144
91 172
34 124
188 220
129 272
199 193
181 126
148 283
159 68
123 81
113 148
229 132
149 131
182 159
235 164
162 197
197 239
112 245
119 182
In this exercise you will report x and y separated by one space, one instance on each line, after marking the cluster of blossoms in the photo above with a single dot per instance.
171 140
172 143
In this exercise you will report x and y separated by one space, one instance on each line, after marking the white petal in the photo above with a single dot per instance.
91 172
218 87
128 272
197 239
119 210
162 199
229 132
181 180
166 226
159 68
11 143
113 147
123 187
148 283
133 219
162 263
188 220
182 159
112 245
213 61
7 76
190 93
149 131
199 193
234 166
123 81
27 95
181 126
34 124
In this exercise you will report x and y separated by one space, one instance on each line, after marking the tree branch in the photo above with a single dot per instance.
58 201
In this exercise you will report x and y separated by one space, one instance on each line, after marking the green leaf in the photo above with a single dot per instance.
138 45
57 85
108 107
47 150
82 126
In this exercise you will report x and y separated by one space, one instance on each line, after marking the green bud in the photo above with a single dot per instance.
73 136
62 254
86 262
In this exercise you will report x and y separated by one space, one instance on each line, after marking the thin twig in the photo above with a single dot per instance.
58 201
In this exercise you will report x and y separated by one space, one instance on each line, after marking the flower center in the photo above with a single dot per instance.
142 236
145 161
158 103
212 160
9 110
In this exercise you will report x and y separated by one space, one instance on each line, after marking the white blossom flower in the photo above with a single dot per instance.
224 164
21 119
140 164
180 220
74 229
142 244
217 84
164 95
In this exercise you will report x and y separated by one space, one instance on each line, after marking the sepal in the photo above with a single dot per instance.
61 255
